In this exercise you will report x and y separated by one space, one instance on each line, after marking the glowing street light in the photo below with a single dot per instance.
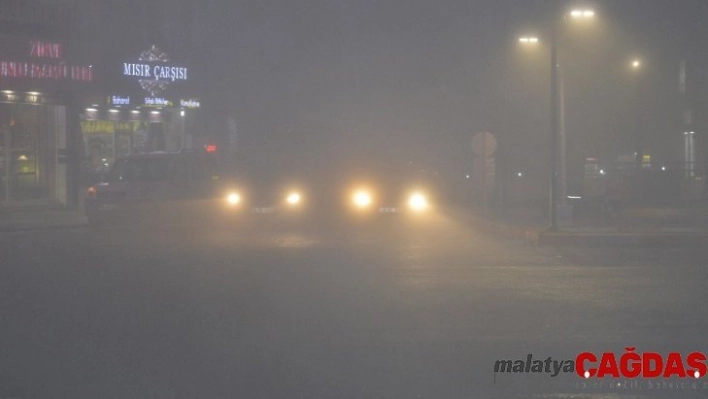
555 126
582 13
636 65
528 40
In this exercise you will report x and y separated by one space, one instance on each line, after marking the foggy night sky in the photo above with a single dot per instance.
324 80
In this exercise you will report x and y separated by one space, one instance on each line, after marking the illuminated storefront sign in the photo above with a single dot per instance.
108 127
157 102
61 71
189 104
119 100
153 71
43 49
45 70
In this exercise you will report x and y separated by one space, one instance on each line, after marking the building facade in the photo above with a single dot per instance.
82 83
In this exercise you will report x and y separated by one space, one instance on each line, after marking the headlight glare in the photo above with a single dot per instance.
417 202
293 198
362 199
233 198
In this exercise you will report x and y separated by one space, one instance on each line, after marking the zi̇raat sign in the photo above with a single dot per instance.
154 71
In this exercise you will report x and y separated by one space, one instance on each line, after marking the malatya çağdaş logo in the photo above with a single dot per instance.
630 364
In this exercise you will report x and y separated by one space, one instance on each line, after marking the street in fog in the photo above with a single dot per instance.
397 308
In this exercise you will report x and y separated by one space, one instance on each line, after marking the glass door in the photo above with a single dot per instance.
24 149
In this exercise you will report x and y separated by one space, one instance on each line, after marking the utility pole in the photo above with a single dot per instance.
553 186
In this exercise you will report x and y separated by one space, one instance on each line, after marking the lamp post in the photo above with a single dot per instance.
635 66
553 189
554 122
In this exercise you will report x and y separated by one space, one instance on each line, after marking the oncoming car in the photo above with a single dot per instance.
388 191
192 185
388 199
254 200
160 183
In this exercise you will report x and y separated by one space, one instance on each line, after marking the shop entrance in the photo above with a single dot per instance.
27 147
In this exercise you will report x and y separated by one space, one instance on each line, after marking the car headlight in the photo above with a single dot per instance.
233 198
362 199
418 202
293 198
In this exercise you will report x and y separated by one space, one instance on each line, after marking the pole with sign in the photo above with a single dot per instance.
484 145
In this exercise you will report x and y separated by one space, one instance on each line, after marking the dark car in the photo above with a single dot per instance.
161 183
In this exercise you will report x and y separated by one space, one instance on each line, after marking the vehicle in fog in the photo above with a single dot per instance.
159 183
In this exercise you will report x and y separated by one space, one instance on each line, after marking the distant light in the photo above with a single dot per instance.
636 64
22 157
233 198
574 197
520 174
528 40
91 109
210 148
155 112
8 92
94 105
582 13
113 110
362 199
181 113
33 93
468 176
293 198
135 111
663 168
417 202
602 171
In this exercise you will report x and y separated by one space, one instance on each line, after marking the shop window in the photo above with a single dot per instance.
27 163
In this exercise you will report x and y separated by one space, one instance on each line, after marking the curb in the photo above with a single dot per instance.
544 238
492 226
624 237
27 227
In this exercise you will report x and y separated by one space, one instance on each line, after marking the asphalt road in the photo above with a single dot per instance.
396 309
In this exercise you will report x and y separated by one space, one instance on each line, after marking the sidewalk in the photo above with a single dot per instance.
40 219
675 237
636 227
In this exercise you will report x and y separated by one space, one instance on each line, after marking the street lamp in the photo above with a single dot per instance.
528 40
636 64
578 14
